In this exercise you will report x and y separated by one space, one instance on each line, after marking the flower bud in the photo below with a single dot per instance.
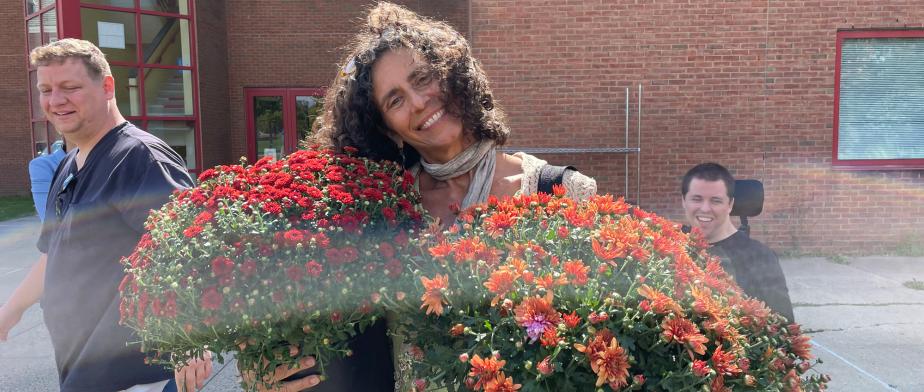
463 357
545 367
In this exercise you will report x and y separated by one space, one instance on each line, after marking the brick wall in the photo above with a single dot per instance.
279 43
212 57
730 81
14 103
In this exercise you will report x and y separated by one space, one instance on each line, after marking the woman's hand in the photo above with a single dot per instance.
281 373
190 378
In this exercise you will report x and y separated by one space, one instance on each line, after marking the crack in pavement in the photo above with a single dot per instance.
811 305
821 330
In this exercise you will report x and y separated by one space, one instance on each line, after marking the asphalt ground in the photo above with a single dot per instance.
865 325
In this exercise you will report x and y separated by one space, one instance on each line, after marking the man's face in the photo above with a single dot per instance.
707 207
73 102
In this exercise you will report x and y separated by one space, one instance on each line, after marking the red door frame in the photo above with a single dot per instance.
866 164
290 135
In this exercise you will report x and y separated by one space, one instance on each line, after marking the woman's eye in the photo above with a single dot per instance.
424 79
395 102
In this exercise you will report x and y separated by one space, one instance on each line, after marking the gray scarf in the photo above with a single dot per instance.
481 156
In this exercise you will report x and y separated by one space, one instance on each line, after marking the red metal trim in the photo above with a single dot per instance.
37 12
69 19
837 94
193 63
290 138
865 164
136 9
249 95
156 66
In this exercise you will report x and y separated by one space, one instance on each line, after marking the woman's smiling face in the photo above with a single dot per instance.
407 93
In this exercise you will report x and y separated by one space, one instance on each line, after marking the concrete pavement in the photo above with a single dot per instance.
866 327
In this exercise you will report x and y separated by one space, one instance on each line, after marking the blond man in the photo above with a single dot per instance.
100 196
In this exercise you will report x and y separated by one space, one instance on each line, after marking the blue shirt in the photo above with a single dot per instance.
95 217
41 170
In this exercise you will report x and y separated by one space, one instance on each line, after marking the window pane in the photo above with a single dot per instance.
168 92
881 104
39 138
128 96
35 33
49 27
46 3
267 114
31 6
170 6
307 109
180 135
57 141
114 3
113 32
165 40
37 113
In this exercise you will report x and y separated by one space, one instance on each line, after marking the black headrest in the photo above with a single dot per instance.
749 198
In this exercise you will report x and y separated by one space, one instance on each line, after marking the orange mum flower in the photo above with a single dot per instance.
683 331
495 224
484 370
441 250
500 283
536 315
607 359
718 385
799 344
433 297
577 271
725 363
706 305
660 302
501 384
754 313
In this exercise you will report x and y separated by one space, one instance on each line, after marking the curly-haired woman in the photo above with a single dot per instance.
410 91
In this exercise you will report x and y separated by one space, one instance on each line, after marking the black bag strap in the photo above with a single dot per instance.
550 175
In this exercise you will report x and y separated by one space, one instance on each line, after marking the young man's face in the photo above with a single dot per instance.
707 207
73 102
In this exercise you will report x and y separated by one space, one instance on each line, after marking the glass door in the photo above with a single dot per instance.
278 119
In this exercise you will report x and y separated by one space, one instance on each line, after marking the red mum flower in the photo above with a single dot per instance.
248 267
272 207
211 299
203 217
295 273
192 231
222 266
549 338
572 320
293 237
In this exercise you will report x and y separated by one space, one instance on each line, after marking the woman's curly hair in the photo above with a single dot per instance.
350 116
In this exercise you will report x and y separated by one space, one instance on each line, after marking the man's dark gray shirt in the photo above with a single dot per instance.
95 216
756 269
